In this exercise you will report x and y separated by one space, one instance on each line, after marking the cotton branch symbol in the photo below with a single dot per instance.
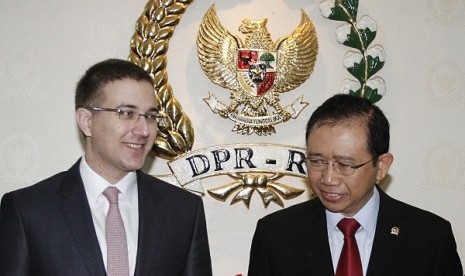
367 61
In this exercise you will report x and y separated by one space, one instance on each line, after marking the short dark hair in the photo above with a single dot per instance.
342 108
88 89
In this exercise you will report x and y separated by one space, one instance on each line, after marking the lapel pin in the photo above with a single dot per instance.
395 231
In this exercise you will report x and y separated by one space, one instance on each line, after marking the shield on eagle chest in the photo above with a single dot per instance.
256 70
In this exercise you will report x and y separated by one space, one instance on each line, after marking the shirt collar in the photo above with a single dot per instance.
366 217
94 184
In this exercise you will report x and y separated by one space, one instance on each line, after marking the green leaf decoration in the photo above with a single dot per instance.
367 93
344 10
366 68
374 65
338 14
358 71
359 37
350 5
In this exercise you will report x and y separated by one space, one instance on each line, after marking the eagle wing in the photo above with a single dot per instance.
217 51
296 56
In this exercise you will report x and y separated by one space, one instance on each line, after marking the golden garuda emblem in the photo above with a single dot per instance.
256 71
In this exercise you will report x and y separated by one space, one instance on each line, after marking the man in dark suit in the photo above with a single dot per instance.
347 154
59 226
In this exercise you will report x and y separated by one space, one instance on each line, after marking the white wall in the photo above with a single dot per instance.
46 46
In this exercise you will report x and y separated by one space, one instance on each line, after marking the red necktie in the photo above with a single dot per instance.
349 261
117 249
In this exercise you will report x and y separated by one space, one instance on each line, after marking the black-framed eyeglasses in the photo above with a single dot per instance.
342 168
128 114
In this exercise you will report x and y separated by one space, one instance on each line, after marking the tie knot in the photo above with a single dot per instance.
111 193
348 226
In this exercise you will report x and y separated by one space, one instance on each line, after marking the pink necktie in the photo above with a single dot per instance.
349 262
117 248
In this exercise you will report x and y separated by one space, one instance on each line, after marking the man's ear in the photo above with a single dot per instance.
84 121
384 163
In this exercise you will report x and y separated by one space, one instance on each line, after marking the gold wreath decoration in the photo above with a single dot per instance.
148 48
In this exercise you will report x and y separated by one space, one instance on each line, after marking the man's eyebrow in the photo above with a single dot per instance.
336 157
152 109
341 158
126 105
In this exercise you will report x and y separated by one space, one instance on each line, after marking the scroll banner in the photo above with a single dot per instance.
189 169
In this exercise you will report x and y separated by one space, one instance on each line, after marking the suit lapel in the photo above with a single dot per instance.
390 236
77 214
152 214
314 239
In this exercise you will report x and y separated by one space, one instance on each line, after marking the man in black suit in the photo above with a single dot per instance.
58 226
347 155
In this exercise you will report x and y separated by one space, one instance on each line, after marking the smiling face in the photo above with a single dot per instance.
345 142
114 147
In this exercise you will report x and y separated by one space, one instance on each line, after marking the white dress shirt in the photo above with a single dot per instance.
367 218
128 202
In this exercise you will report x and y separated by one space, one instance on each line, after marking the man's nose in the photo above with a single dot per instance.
142 126
328 174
